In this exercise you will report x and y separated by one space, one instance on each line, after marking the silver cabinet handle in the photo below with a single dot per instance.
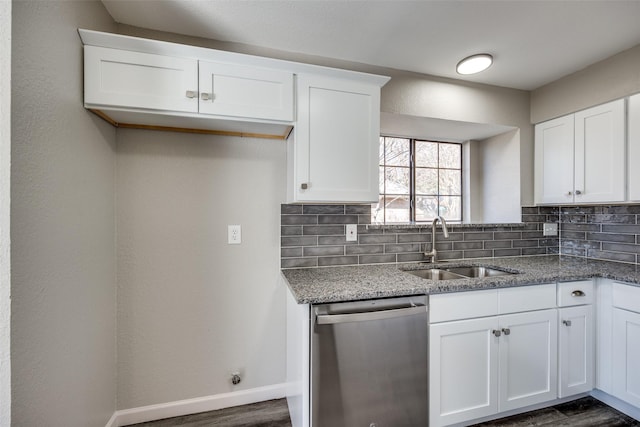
566 322
578 293
304 185
192 94
206 96
506 331
496 332
578 192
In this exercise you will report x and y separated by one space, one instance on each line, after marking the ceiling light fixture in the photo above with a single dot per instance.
474 64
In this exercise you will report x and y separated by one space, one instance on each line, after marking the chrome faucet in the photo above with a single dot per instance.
434 254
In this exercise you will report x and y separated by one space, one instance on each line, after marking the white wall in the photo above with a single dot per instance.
500 178
191 308
5 206
612 78
62 225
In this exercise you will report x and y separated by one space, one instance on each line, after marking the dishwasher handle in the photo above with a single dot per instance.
330 319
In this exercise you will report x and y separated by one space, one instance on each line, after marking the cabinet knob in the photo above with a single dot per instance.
496 332
566 322
570 193
578 293
192 94
578 192
304 185
506 331
206 96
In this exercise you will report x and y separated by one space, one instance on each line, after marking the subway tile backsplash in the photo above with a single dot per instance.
314 236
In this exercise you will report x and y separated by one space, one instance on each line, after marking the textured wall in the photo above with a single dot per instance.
612 78
191 308
62 225
5 168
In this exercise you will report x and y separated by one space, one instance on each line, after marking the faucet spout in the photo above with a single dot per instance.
434 254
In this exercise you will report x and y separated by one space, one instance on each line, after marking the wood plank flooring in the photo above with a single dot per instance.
585 412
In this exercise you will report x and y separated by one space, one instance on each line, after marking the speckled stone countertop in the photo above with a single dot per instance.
334 284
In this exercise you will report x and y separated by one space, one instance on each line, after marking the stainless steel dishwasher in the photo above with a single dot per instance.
369 363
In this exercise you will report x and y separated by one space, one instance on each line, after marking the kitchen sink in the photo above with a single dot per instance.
435 274
476 271
463 272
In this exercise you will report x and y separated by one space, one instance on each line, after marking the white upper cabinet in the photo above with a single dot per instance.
240 91
633 156
335 154
580 158
599 155
120 78
554 146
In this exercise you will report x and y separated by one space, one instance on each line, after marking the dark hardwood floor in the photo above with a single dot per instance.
585 412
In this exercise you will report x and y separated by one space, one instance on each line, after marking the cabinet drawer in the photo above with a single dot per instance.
463 305
526 298
579 292
626 297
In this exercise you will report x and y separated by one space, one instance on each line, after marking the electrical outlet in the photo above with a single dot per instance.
235 234
550 229
352 232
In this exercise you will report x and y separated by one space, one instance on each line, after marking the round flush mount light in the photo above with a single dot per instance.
474 64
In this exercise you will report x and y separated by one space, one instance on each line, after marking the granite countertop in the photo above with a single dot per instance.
335 284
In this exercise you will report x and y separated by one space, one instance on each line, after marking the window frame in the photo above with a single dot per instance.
383 165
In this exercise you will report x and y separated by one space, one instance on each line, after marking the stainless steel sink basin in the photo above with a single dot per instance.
435 274
476 271
464 272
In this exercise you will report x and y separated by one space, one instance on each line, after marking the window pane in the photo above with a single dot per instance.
381 150
397 180
450 208
450 156
397 151
426 154
426 181
396 209
426 208
450 182
381 179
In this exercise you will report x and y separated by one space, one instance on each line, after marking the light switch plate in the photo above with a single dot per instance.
550 229
352 232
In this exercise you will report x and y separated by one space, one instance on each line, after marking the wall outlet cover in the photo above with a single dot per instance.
234 234
550 229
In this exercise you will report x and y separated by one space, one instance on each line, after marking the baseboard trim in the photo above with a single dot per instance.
617 404
193 406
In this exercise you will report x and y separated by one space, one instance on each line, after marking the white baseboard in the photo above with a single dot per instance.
193 406
617 404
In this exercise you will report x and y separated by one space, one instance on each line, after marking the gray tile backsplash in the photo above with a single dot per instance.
314 236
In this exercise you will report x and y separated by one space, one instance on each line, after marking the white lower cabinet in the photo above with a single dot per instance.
576 350
626 343
480 367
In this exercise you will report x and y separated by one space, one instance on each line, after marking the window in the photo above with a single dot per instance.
419 180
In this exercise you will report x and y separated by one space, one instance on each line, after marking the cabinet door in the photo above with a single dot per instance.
554 161
242 91
463 371
633 155
600 153
120 78
576 352
528 358
626 356
336 141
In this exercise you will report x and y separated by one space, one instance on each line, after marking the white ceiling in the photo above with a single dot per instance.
533 42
